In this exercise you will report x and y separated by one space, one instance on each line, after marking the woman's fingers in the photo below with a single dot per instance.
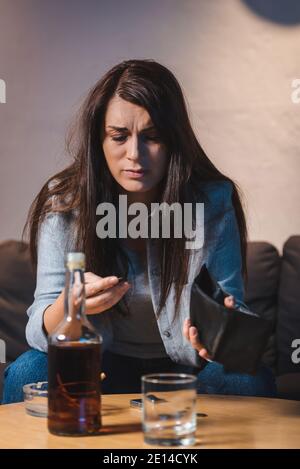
229 301
91 277
107 299
194 338
191 334
102 292
204 354
186 326
98 284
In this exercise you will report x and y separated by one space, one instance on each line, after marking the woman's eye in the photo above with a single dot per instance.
154 138
120 138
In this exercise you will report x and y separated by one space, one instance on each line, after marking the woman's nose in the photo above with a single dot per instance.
135 149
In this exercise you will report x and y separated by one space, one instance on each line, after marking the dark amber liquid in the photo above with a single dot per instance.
74 405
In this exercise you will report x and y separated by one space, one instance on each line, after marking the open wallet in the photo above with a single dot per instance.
233 338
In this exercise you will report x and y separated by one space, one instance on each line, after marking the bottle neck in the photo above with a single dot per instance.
75 295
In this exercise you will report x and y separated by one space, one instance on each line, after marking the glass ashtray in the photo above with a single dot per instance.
36 398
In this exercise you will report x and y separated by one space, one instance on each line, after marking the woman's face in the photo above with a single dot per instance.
135 156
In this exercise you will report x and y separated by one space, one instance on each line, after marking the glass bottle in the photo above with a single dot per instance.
74 362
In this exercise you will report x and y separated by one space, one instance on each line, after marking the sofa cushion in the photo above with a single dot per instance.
288 386
263 264
17 284
288 328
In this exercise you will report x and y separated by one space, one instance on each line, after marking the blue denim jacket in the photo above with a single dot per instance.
220 252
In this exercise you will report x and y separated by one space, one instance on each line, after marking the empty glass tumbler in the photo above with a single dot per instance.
169 409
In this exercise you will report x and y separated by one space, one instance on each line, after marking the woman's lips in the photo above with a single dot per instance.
135 174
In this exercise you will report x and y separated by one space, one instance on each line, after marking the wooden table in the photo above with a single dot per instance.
231 422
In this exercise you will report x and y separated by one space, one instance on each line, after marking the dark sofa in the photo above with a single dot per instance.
272 291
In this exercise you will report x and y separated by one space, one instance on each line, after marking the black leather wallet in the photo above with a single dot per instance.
233 338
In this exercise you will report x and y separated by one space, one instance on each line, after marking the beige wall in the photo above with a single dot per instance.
236 69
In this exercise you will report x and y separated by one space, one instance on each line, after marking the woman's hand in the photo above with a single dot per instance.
191 333
102 292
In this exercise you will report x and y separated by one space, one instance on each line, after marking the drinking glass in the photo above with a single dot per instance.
169 408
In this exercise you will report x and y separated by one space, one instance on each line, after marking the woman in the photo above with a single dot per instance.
134 138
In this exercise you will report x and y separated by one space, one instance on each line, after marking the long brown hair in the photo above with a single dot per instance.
87 181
